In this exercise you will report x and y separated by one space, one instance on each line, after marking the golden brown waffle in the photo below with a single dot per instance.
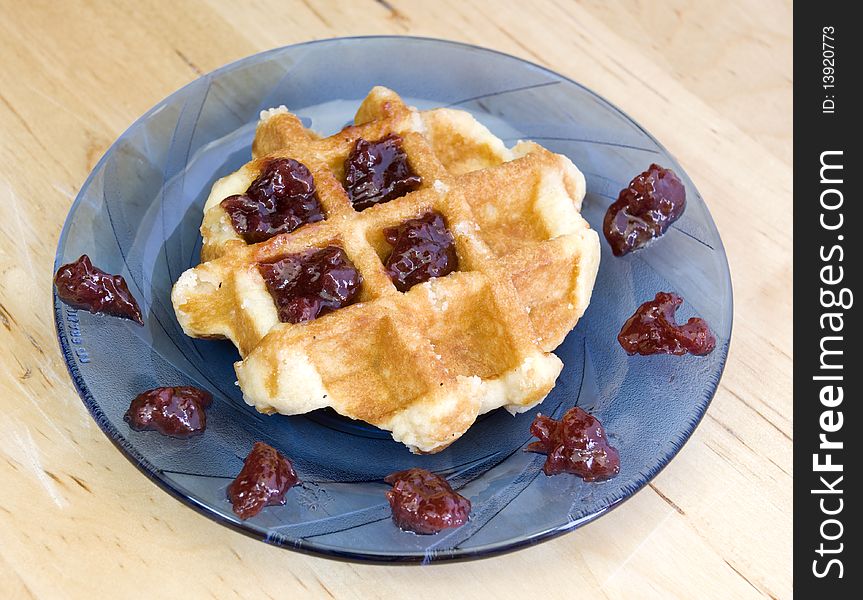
425 363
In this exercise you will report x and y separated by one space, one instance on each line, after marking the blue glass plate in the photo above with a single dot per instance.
138 215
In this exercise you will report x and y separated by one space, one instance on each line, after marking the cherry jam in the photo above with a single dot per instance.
279 200
307 285
653 330
644 209
377 172
81 285
425 503
172 411
422 248
575 444
264 480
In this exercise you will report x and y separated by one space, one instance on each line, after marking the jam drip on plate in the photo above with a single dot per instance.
281 199
172 411
264 480
422 248
310 284
81 285
377 172
653 330
644 210
576 444
425 503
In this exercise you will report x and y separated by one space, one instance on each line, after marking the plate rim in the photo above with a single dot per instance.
321 550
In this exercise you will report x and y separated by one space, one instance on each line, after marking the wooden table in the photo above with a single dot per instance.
712 80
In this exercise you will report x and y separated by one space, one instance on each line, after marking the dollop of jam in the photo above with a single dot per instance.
264 480
653 330
644 210
307 285
422 248
425 503
173 411
377 172
282 198
576 444
81 285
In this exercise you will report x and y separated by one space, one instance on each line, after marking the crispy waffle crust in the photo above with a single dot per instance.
425 363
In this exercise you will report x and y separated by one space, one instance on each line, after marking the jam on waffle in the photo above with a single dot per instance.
446 295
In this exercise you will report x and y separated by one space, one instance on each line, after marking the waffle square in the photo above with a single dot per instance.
425 363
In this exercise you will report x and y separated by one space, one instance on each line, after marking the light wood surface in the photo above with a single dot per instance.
711 79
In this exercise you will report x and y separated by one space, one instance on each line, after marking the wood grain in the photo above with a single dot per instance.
712 80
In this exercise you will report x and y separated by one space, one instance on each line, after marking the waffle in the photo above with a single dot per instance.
425 363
